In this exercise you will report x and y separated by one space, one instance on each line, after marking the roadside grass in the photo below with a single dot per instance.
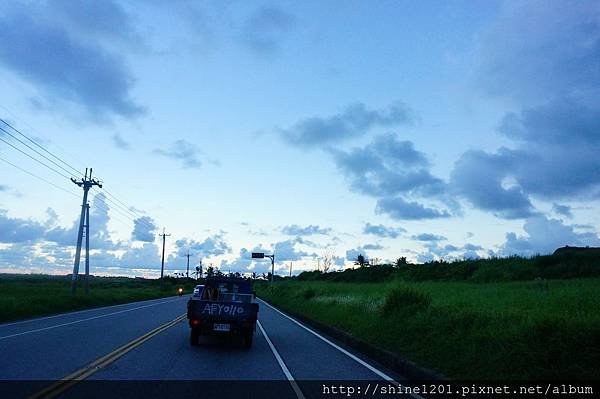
26 296
526 330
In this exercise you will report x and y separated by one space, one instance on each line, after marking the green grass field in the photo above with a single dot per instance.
25 296
527 330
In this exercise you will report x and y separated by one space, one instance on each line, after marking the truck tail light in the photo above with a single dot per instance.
195 322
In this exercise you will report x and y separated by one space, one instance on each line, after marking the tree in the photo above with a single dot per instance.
401 261
360 260
210 271
327 260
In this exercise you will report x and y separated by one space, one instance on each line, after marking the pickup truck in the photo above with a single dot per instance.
225 306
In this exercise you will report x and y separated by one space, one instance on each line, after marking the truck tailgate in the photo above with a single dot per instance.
210 310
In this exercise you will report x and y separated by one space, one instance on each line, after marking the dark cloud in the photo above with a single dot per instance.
296 230
390 170
544 58
387 166
563 210
356 120
428 237
383 231
553 123
16 230
479 176
96 20
398 208
538 49
144 229
63 236
372 247
543 236
265 29
20 256
85 73
472 247
184 151
120 142
559 142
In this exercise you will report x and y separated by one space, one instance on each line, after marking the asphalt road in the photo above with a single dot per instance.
284 350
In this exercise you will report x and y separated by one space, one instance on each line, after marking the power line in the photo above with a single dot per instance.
35 159
104 207
39 177
122 203
32 129
131 217
120 207
109 209
61 188
77 172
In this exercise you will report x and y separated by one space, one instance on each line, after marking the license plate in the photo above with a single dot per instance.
220 327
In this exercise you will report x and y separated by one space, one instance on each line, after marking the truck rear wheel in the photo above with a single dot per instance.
194 337
248 340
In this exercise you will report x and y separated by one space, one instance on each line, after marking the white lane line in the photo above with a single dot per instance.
73 313
344 351
82 320
286 371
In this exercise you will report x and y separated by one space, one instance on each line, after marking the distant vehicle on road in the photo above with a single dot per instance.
225 306
180 291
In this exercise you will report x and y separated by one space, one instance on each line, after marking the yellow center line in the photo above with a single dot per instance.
67 382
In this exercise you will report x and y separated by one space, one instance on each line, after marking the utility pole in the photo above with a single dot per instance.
87 249
86 183
272 269
162 263
290 269
187 273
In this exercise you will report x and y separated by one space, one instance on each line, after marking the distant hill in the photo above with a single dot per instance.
591 251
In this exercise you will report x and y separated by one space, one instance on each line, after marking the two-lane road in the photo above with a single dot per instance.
284 350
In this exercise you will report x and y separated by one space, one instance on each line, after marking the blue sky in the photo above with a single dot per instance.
394 128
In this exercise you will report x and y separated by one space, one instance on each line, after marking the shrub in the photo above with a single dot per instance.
308 293
405 299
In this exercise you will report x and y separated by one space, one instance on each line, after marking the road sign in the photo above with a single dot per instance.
258 255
